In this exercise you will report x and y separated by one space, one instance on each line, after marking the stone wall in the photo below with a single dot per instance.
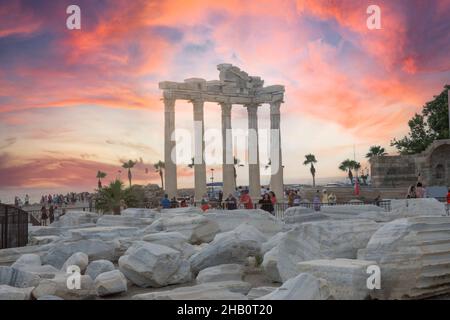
432 167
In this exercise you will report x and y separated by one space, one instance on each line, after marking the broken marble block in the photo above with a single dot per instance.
223 272
326 239
346 278
197 228
152 265
229 247
302 287
198 292
413 255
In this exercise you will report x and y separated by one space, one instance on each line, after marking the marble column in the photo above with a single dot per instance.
227 151
170 172
253 152
276 178
199 150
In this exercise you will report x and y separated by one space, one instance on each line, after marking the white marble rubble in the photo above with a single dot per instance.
153 265
302 287
97 267
95 249
260 219
346 278
319 240
197 228
109 283
198 292
223 272
13 293
229 247
413 255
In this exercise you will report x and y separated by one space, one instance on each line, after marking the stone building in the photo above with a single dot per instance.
431 167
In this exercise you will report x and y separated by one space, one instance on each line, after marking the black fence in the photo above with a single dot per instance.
13 227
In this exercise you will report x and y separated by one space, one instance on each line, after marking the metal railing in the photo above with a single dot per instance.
280 207
13 227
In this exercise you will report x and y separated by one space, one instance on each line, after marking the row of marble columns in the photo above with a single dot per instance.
276 181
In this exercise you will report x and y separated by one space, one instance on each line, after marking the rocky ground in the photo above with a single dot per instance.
183 253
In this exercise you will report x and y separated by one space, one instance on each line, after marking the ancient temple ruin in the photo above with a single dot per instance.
234 87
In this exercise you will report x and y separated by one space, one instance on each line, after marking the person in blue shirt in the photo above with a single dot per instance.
165 202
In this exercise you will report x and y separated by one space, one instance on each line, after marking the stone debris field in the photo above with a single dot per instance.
183 253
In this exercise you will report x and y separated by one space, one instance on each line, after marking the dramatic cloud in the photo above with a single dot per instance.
77 100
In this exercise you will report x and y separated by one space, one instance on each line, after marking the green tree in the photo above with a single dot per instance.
375 151
349 165
109 198
129 165
431 124
159 167
100 176
311 159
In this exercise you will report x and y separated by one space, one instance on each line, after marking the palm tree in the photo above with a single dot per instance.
128 165
375 151
159 167
349 165
109 199
100 176
236 162
311 159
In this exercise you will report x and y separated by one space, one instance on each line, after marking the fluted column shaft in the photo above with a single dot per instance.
170 172
276 178
227 151
253 150
199 147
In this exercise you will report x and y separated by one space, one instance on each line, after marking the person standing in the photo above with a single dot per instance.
316 201
332 199
411 193
266 203
324 196
246 200
44 216
420 190
51 214
165 202
273 197
230 202
291 198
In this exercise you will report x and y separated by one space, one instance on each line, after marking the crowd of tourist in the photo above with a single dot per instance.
240 198
71 198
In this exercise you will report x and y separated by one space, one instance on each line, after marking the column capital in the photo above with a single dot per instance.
252 108
226 108
169 104
275 107
198 104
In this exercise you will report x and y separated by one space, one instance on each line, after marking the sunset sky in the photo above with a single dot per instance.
76 101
